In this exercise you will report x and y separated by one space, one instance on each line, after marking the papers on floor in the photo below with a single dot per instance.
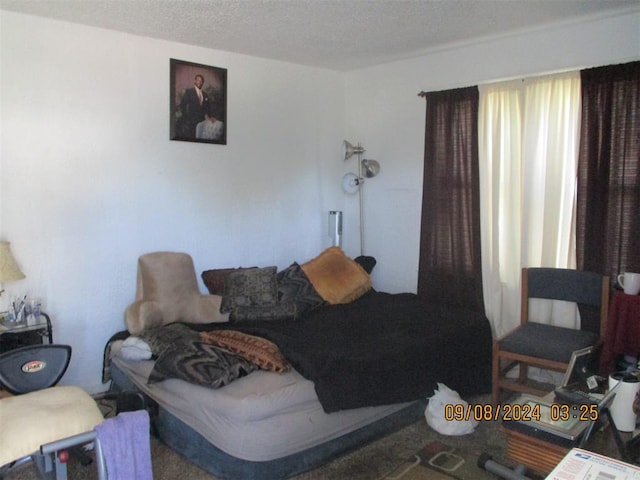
581 464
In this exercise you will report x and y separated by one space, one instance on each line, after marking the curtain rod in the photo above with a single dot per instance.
551 73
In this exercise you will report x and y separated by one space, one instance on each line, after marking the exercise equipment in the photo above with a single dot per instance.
486 462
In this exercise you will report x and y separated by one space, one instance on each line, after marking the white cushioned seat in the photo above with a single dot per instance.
34 419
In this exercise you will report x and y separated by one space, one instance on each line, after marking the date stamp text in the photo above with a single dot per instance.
516 412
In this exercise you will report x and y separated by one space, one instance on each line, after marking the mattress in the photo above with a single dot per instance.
243 418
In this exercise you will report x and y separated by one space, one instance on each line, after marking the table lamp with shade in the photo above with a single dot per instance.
9 270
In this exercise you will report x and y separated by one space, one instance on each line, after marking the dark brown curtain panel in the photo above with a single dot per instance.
450 270
608 198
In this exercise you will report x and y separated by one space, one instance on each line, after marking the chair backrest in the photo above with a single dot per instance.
34 367
589 290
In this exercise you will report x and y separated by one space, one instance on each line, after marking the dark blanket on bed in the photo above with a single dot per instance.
384 348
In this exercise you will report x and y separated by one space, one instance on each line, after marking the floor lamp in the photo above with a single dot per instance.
352 183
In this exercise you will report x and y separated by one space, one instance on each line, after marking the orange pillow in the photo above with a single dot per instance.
336 277
257 350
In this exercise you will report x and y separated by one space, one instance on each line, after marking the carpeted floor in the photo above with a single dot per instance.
371 462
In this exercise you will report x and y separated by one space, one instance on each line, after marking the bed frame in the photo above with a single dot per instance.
199 451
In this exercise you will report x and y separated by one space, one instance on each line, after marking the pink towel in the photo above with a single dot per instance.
125 444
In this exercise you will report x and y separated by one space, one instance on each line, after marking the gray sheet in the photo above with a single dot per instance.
244 417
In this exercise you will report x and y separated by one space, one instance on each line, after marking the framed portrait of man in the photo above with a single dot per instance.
198 103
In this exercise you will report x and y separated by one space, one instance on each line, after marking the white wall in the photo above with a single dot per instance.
384 112
90 180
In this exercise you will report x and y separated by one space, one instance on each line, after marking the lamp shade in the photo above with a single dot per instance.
370 168
349 150
9 270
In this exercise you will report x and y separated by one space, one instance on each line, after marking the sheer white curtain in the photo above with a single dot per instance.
528 148
500 155
550 145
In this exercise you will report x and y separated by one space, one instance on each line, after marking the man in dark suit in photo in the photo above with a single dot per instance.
195 106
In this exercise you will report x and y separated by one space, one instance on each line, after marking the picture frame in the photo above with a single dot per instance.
198 116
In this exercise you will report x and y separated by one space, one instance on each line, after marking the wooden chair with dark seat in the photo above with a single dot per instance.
545 346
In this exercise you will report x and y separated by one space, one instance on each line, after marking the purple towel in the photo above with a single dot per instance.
125 444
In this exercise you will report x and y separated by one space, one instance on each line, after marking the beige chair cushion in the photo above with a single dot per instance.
34 419
167 292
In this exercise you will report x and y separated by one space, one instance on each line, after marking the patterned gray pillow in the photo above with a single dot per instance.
294 287
162 338
281 311
199 363
256 287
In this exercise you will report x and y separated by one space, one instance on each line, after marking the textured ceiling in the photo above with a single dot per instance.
335 34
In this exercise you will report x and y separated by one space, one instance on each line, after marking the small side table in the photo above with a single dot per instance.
622 336
538 455
20 334
534 448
